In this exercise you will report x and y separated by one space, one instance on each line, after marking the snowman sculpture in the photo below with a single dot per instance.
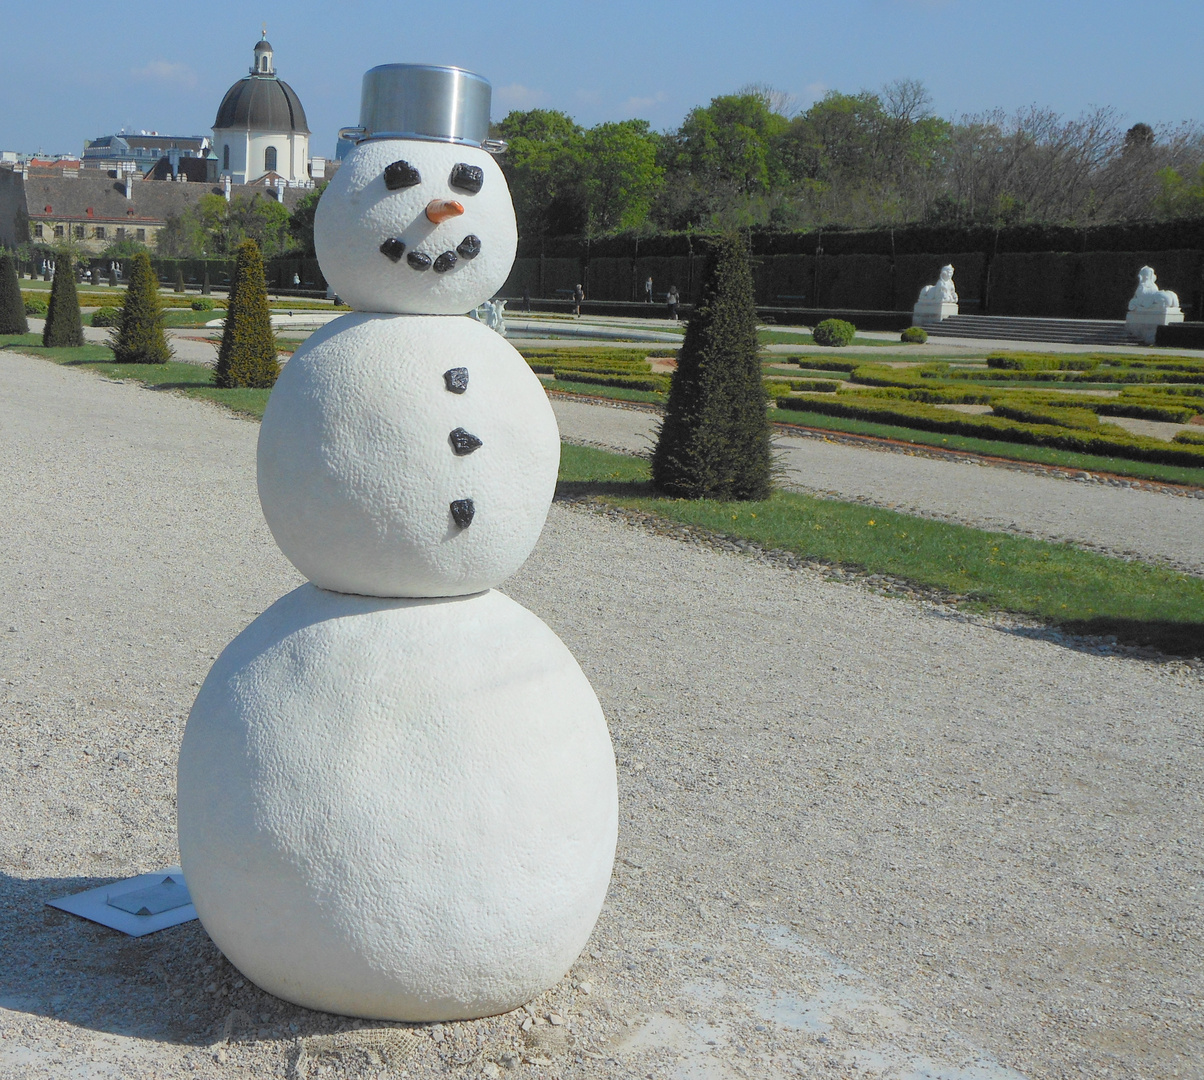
396 788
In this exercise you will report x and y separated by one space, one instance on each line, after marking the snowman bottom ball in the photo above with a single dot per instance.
398 809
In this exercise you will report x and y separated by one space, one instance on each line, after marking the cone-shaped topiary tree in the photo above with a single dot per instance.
714 439
63 324
12 307
138 337
179 280
206 289
248 352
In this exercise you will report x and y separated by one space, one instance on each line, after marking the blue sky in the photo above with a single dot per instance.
75 70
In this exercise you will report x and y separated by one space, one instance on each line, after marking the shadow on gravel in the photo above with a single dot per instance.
583 489
1173 638
77 972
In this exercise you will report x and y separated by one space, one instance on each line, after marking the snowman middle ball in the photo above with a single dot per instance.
380 248
407 456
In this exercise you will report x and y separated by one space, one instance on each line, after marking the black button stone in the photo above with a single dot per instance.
401 174
419 261
462 512
463 442
393 249
445 262
467 178
469 247
456 379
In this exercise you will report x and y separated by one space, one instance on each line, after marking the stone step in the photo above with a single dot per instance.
1018 328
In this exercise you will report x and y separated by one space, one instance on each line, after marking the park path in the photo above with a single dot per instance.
1130 522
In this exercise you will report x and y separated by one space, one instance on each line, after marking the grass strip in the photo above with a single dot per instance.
1039 455
1080 591
616 393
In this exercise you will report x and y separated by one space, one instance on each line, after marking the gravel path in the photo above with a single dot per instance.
859 836
1130 522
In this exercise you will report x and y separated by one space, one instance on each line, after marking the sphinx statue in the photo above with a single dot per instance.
1151 307
936 302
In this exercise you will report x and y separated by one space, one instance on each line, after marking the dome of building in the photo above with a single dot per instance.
260 101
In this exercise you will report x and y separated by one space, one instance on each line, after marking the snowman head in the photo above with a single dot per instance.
418 220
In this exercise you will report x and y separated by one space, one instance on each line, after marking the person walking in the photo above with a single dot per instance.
671 301
648 291
578 296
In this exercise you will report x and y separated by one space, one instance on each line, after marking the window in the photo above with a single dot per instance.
269 159
100 232
58 231
37 232
120 232
79 232
226 157
140 236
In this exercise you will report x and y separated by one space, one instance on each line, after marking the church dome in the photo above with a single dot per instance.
260 101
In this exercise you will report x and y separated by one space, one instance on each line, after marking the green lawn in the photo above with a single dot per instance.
1078 590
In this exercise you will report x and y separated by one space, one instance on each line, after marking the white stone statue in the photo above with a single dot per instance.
942 292
1151 308
1149 297
492 314
936 302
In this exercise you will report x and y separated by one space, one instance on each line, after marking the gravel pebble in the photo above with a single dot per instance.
871 836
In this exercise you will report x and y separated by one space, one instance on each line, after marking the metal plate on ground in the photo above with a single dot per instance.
136 906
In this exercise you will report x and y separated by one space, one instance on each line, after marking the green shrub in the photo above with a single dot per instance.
179 286
106 316
1081 419
914 335
202 305
12 308
714 439
248 354
654 383
777 388
139 337
834 332
34 305
818 386
1026 361
64 327
818 363
1192 438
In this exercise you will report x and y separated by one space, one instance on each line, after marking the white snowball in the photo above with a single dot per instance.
357 213
398 809
357 473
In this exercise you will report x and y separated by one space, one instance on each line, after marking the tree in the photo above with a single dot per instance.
63 325
543 166
138 337
714 439
247 356
12 307
620 175
301 222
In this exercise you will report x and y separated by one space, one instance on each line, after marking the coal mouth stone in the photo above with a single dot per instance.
464 442
401 174
456 379
393 249
418 260
462 511
445 262
469 247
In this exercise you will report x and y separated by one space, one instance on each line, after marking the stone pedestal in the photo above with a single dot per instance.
1143 324
929 314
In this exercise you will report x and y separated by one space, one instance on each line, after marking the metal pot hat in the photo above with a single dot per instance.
423 101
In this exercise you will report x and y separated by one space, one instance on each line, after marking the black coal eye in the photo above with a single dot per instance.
393 249
401 174
469 247
445 262
419 261
467 178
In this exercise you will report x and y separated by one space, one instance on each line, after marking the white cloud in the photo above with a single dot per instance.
812 92
164 71
517 96
635 105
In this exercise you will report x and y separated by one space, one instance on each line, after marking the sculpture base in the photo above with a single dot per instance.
1143 325
931 314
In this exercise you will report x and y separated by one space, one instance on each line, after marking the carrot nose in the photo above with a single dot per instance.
441 210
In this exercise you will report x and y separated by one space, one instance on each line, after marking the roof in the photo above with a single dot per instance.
261 103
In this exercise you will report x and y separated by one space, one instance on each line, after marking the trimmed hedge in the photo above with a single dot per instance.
35 305
1184 335
834 333
106 316
655 383
914 335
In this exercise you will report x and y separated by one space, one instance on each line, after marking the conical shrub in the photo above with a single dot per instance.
12 307
138 337
63 324
247 356
179 280
714 439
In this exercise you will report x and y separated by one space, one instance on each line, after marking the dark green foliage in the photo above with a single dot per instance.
206 289
202 305
12 307
248 352
106 316
834 332
64 329
914 335
1185 335
139 337
714 439
35 305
